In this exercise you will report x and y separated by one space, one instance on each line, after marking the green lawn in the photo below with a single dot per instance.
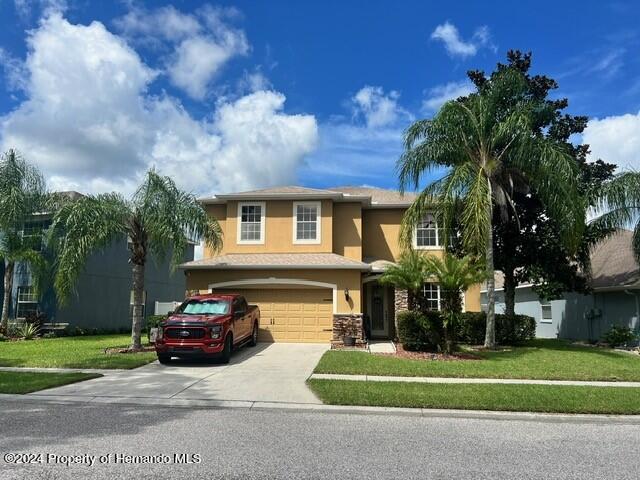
540 359
521 398
26 382
71 352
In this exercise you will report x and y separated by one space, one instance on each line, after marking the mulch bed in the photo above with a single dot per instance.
115 351
402 353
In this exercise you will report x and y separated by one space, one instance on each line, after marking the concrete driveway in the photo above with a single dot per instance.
269 372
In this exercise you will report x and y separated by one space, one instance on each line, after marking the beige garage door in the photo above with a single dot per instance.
292 314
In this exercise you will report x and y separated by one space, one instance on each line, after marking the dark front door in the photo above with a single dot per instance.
378 310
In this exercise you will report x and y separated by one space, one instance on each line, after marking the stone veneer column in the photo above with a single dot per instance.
401 304
344 324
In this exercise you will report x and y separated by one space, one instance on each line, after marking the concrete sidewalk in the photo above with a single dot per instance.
508 381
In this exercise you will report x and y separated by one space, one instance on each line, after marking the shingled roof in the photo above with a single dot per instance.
240 261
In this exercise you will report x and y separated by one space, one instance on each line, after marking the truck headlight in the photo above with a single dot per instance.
215 331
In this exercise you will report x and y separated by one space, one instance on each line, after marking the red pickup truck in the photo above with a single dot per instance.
209 325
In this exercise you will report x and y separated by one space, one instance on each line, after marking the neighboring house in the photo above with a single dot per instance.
103 292
615 280
311 260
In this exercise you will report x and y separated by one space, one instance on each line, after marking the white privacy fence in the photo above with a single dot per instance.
162 308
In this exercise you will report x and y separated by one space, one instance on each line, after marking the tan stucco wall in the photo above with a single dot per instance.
380 232
344 279
278 230
472 299
347 230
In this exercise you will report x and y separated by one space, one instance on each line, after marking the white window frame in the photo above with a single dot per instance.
19 302
307 241
437 246
439 295
263 209
544 304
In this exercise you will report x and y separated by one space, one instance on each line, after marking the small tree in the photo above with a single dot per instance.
407 274
158 219
454 276
22 195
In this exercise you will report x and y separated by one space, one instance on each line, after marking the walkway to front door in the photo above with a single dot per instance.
269 372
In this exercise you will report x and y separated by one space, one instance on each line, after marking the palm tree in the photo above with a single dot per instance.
487 154
407 274
158 218
454 276
619 201
22 195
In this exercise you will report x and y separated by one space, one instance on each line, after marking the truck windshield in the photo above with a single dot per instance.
204 307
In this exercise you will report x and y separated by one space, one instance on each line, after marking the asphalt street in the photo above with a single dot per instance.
105 441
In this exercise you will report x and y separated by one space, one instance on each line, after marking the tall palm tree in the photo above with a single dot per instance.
158 218
22 195
454 276
486 154
619 205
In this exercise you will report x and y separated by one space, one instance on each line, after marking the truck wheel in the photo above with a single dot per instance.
254 336
164 359
228 346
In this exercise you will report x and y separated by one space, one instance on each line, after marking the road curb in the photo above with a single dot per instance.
321 408
476 381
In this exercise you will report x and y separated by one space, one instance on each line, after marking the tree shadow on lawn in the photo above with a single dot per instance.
537 346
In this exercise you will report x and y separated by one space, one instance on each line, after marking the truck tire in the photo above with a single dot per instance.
228 347
254 336
164 359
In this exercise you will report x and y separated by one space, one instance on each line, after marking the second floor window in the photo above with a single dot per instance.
427 233
251 222
306 222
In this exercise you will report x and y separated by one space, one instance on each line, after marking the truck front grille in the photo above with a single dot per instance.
186 333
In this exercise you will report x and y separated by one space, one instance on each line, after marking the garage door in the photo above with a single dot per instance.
292 315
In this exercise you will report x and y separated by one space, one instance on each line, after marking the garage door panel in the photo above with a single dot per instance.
292 314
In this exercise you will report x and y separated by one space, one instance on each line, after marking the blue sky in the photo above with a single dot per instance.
238 95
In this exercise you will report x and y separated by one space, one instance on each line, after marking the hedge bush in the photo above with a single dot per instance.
510 330
619 335
419 331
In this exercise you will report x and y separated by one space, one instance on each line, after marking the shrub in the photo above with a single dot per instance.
420 331
28 331
619 335
510 330
153 321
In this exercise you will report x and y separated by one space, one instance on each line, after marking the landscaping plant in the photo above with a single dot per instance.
454 276
22 195
487 155
619 335
420 331
158 219
27 331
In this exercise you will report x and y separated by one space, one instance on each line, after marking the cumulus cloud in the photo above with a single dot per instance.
378 108
615 139
440 94
91 125
449 35
198 44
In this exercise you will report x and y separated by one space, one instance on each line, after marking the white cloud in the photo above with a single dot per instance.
448 34
377 108
90 124
615 139
25 8
440 94
200 44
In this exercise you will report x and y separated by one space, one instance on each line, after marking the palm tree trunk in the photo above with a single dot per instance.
138 306
509 293
6 300
490 333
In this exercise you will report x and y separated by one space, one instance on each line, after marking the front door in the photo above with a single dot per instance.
378 311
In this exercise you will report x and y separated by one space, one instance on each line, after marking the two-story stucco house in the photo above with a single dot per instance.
311 259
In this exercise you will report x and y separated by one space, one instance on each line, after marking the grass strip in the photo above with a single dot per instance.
27 382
